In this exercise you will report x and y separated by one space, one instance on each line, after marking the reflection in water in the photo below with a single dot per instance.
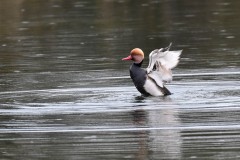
65 93
140 119
165 142
163 137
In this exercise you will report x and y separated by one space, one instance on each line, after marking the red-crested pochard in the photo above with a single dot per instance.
151 81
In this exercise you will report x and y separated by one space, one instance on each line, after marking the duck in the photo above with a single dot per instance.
151 81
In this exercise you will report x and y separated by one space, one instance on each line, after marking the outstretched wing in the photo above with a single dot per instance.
161 61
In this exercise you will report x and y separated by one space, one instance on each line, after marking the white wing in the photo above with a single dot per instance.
161 61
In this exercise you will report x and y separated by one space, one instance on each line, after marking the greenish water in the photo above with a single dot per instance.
66 94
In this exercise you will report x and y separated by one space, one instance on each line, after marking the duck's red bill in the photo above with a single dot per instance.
127 58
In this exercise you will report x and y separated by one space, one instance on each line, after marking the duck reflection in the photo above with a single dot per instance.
140 120
161 138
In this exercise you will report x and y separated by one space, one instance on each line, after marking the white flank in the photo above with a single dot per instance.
152 88
155 75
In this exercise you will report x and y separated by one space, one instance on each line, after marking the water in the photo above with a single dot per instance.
66 94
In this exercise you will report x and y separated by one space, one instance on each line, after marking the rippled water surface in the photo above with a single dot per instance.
66 94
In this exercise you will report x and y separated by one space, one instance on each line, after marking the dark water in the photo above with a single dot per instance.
66 94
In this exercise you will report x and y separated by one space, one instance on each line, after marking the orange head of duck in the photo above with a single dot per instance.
136 55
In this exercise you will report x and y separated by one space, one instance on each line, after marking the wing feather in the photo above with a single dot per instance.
161 61
169 59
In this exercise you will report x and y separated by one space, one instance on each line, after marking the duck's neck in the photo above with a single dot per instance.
138 64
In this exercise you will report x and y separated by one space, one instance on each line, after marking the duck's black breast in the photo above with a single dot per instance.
139 77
